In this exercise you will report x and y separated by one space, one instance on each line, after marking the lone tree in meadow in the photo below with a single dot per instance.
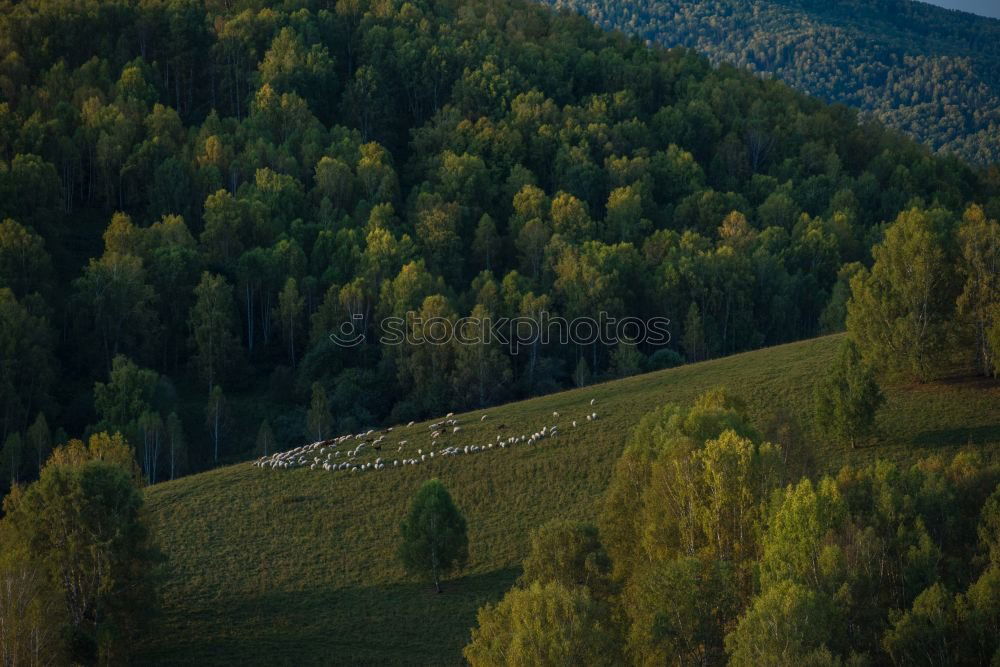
847 400
434 535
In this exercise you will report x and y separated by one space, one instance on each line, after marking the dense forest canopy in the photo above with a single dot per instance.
194 195
707 551
930 72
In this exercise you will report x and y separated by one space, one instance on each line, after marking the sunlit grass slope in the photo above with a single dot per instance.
298 566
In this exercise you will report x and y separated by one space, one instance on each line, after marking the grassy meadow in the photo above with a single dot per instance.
299 567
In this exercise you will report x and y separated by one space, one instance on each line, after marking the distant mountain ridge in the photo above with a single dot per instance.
930 72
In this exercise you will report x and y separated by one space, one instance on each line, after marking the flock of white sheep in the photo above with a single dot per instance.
373 449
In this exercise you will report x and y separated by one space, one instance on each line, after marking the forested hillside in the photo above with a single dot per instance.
194 195
930 72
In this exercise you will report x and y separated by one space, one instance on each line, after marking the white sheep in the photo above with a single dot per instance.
593 401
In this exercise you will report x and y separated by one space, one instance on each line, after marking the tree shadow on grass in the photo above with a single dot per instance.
951 437
399 624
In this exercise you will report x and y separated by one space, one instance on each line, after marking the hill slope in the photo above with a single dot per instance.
297 566
931 72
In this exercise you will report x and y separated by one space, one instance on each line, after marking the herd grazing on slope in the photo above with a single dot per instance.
373 450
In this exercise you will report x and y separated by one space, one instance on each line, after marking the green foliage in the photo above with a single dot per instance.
216 418
289 312
40 439
570 554
331 166
848 399
694 334
434 538
177 448
125 397
724 564
109 448
789 624
31 613
678 609
25 338
682 521
482 372
979 302
669 434
114 293
318 419
25 266
926 632
989 527
353 157
834 317
900 312
544 624
12 457
901 63
265 439
213 323
978 612
946 627
581 374
626 360
82 525
795 548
